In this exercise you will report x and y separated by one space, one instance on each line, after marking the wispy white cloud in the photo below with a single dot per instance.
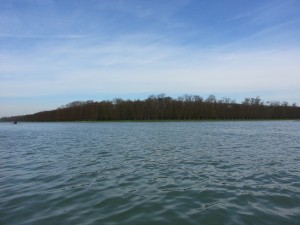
32 36
280 35
276 11
123 66
269 11
159 11
66 62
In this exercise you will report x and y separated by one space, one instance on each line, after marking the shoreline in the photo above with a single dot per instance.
157 121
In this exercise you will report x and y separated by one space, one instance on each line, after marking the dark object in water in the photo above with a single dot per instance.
15 122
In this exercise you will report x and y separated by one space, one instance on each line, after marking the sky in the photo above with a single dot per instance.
53 52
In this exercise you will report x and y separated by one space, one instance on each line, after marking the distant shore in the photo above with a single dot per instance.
158 121
163 108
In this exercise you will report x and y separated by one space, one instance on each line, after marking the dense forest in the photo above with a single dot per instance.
162 107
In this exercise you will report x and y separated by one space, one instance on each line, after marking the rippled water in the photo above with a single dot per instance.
150 173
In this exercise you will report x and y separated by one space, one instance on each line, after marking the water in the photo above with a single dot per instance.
150 173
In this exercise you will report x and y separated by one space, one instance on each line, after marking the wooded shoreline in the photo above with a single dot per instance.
164 108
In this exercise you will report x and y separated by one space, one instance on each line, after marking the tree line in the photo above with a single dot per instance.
162 107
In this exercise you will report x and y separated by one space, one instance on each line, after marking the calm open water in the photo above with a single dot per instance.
150 173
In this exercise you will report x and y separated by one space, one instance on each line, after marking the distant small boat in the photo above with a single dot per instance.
15 122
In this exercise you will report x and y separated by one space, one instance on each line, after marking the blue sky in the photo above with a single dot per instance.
56 51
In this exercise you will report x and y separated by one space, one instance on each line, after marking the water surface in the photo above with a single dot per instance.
150 173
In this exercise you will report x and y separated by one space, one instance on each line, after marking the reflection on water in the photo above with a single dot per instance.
150 173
